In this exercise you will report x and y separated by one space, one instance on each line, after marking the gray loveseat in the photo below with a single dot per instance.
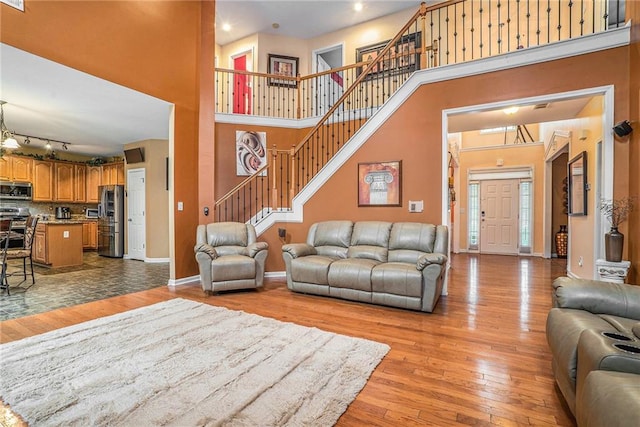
400 264
593 332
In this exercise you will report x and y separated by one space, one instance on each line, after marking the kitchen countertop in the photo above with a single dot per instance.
74 220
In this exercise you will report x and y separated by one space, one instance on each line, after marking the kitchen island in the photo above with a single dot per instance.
58 243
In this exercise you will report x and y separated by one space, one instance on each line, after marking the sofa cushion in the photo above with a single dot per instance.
352 273
233 267
370 240
609 399
409 239
397 279
311 269
331 238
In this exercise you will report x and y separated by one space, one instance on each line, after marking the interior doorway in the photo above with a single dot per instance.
329 86
136 200
242 83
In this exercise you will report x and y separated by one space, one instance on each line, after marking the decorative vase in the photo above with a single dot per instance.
562 239
613 243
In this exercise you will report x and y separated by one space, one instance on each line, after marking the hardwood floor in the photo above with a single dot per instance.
480 359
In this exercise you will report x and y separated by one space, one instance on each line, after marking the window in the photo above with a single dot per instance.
525 216
474 216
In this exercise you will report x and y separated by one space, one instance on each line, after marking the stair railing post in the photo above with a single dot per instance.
292 186
423 42
274 180
299 106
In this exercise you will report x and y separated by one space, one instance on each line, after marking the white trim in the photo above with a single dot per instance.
184 281
156 260
244 119
553 145
275 274
522 172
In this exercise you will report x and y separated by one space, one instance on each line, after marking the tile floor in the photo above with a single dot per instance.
98 278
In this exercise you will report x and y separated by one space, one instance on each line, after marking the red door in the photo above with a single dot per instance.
241 89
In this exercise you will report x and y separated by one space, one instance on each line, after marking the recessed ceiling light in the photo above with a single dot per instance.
275 25
226 27
510 111
357 7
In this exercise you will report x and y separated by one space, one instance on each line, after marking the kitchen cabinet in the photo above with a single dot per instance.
43 174
90 235
40 245
64 182
79 183
113 173
16 168
58 244
94 180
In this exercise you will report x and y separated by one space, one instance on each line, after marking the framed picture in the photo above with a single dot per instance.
577 174
283 66
380 184
251 152
404 56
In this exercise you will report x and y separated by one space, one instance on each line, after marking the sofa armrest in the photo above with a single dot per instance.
428 259
206 250
297 250
597 297
254 248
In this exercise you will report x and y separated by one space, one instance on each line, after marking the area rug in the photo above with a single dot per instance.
184 363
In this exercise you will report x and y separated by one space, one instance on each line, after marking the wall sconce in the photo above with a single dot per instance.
583 135
623 128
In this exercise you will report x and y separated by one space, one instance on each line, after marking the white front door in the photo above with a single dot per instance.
136 213
499 216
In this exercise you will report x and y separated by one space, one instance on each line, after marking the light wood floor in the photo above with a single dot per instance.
480 359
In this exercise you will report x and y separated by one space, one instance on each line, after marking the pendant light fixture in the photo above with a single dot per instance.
7 140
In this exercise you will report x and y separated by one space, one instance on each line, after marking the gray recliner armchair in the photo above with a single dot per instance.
229 257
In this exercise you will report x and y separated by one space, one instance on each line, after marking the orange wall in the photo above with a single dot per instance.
155 47
225 149
414 135
632 240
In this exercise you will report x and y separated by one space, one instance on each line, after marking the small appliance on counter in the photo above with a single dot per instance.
91 213
63 212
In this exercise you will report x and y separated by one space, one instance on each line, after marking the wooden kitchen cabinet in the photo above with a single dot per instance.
90 235
43 174
40 245
94 180
64 182
79 183
16 168
113 173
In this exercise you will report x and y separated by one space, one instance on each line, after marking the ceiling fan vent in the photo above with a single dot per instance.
539 106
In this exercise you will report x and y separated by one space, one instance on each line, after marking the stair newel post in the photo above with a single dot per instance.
292 186
423 42
274 180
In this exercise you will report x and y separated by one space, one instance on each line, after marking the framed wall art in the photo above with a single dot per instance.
404 56
251 152
283 66
380 184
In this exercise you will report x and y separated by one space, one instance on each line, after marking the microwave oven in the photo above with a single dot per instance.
10 190
91 213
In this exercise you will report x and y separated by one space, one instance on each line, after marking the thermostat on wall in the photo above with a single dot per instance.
416 206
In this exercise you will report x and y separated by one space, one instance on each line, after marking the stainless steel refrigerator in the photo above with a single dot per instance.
111 221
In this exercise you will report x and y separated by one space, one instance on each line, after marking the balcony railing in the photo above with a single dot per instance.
448 33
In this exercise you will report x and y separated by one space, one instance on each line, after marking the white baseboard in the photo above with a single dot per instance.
157 260
275 274
184 281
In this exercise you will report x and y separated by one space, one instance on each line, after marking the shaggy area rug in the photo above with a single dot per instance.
185 363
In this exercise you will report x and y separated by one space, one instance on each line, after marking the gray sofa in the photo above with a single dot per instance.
399 264
593 332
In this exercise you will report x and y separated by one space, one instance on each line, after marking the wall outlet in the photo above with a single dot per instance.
65 234
580 262
180 206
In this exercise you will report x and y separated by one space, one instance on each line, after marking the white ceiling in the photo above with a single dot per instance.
301 19
97 117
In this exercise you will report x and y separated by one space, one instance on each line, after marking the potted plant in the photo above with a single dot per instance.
616 211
